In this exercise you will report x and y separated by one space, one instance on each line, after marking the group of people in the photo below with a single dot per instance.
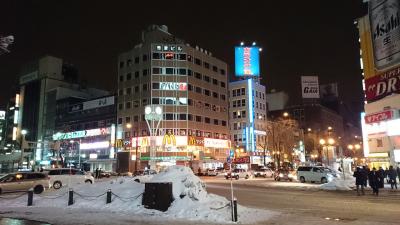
375 178
97 173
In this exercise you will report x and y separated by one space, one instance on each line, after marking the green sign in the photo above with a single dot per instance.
164 158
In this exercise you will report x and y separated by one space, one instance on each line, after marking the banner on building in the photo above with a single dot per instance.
385 32
101 102
309 87
329 92
382 85
195 141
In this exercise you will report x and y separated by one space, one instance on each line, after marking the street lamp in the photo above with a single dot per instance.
285 114
326 144
23 133
153 114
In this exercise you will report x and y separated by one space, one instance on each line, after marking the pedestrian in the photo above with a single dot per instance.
387 175
381 174
365 172
398 172
374 181
97 173
41 169
392 174
359 175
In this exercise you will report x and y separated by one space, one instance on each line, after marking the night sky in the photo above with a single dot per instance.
298 37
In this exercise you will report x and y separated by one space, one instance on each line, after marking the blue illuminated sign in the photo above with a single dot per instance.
247 61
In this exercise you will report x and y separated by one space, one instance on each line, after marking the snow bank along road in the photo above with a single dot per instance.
313 206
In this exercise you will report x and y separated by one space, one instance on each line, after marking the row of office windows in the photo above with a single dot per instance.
172 56
178 101
242 91
206 92
172 71
130 62
181 132
187 57
177 117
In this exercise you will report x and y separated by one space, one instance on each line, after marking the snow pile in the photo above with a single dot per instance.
191 201
340 183
184 183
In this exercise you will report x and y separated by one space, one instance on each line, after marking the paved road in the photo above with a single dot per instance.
309 205
11 221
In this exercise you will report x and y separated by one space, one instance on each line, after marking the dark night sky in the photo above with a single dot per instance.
298 38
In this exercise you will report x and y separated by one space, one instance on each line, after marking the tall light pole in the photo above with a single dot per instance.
23 133
153 115
326 144
129 126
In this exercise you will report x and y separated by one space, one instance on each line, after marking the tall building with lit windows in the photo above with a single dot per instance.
248 112
191 87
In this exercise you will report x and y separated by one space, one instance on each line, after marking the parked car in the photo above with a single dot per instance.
238 173
264 172
63 176
315 174
106 174
284 175
212 172
142 176
23 181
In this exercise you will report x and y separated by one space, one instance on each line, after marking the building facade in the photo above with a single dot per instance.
380 65
42 83
247 119
85 133
191 87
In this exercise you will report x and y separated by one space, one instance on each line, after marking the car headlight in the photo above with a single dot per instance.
280 175
226 174
330 177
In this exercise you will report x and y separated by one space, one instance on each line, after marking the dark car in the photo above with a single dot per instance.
284 175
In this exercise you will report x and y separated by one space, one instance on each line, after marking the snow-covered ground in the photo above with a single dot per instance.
342 183
191 202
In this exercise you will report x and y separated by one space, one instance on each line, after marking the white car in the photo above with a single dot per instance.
264 172
64 176
315 174
239 173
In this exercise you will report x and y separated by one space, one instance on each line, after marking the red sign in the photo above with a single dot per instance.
242 160
382 85
378 117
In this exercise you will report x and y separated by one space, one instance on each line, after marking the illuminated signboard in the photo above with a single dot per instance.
247 61
81 133
2 115
94 145
174 86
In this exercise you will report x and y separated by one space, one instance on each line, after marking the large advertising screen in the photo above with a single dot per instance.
247 61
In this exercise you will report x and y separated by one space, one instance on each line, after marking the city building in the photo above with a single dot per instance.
190 86
85 133
247 119
42 83
316 122
380 65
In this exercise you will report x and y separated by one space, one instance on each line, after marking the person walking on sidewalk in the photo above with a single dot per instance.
381 174
392 175
398 172
359 175
365 172
374 181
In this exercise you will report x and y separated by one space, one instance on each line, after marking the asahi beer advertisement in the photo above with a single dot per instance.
385 31
309 87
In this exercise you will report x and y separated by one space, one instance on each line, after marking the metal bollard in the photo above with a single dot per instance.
234 210
30 197
71 197
108 196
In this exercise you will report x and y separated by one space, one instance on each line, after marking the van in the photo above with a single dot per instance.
23 181
314 174
63 176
